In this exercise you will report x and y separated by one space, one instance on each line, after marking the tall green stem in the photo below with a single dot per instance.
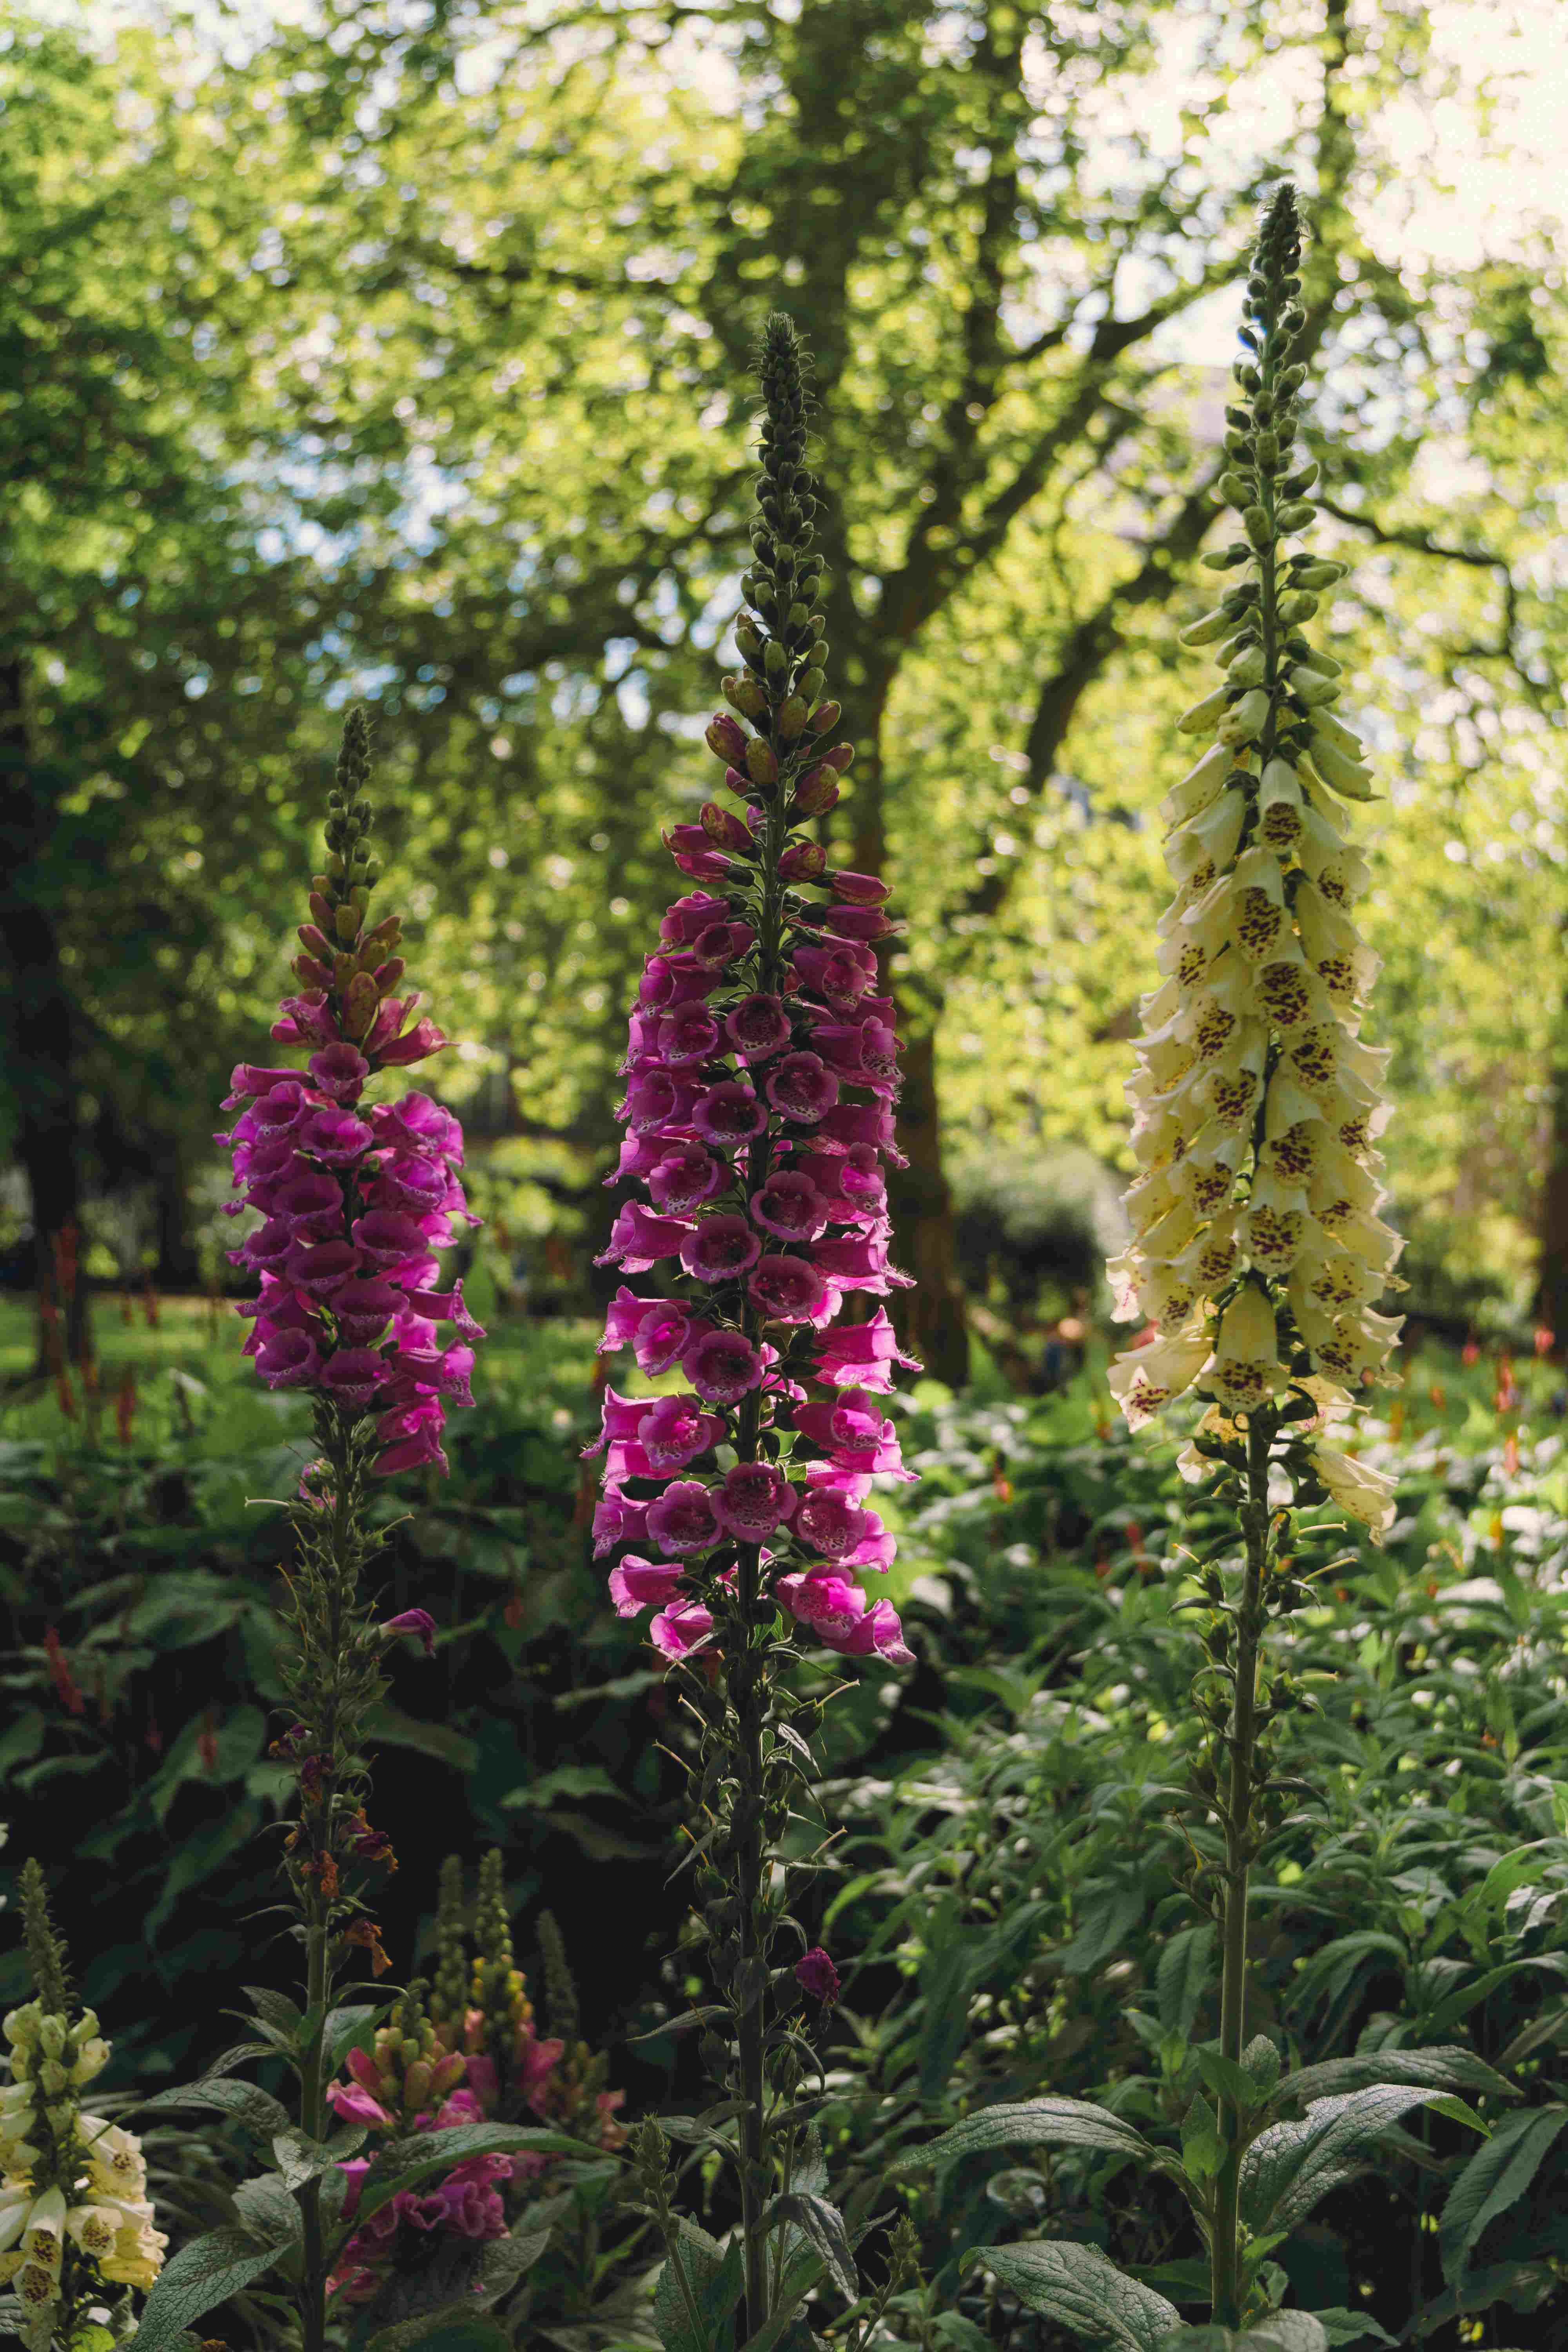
1225 2252
313 2287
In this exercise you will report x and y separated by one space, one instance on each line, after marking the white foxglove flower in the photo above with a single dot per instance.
1256 1254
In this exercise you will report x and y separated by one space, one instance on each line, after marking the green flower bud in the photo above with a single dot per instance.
760 764
791 718
775 660
1321 574
1258 527
1226 558
1295 606
1296 515
1234 490
1204 632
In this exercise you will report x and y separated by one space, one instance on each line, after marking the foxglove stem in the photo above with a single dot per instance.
1224 2253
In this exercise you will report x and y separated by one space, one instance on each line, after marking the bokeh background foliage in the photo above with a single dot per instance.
406 351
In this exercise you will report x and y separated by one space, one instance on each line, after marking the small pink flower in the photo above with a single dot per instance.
335 1136
414 1621
682 1521
753 1500
352 1375
719 1249
363 1309
758 1026
729 1113
816 1974
356 2105
289 1359
639 1584
674 1431
638 1239
676 1632
386 1237
802 1087
863 1354
787 1290
340 1071
687 1034
829 1523
684 1179
722 1366
790 1205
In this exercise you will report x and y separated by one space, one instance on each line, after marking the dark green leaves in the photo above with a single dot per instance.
698 2287
1039 2123
1078 2288
200 2276
1291 2166
1495 2178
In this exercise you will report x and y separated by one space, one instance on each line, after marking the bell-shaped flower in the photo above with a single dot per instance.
1247 1366
1144 1380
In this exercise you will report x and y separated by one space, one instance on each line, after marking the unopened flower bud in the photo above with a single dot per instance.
811 685
744 695
1295 606
1256 522
747 639
1208 630
1323 574
1234 490
724 829
841 756
360 1004
826 715
52 2036
760 764
417 2082
725 739
1296 515
803 861
817 791
793 718
775 661
387 975
447 2073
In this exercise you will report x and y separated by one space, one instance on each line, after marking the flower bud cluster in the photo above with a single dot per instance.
435 2067
353 1201
1256 1249
762 1072
75 2217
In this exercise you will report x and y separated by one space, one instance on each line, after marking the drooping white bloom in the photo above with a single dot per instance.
1257 1255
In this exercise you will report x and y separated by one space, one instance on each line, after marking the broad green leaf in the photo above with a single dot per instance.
225 2096
1342 2326
1183 1977
1290 2166
715 2280
1202 2147
1446 2068
823 2225
946 1987
1496 2177
1037 2123
201 2276
351 2027
1078 2288
453 2328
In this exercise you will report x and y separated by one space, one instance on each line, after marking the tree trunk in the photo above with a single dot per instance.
40 1028
925 1241
179 1265
1552 1293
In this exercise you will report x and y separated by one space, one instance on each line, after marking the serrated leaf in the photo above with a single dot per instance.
267 2210
300 2160
1226 2079
1290 2166
275 2009
823 2225
201 2276
1496 2177
715 2280
1081 2290
225 2096
505 2260
1037 2123
425 2154
1202 2147
1446 2067
1183 1977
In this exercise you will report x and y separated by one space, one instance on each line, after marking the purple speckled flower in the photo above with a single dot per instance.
761 1078
352 1200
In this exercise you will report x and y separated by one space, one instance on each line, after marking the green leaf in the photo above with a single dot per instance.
1037 2123
268 2212
201 2276
824 2227
388 1728
566 1781
505 2260
300 2160
1226 2079
715 2280
945 1989
1447 2067
1081 2290
1496 2177
351 2027
1291 2165
1341 2326
1203 2150
1183 1977
425 2154
227 2096
455 2327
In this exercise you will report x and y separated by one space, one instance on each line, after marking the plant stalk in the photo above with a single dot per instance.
1226 2249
